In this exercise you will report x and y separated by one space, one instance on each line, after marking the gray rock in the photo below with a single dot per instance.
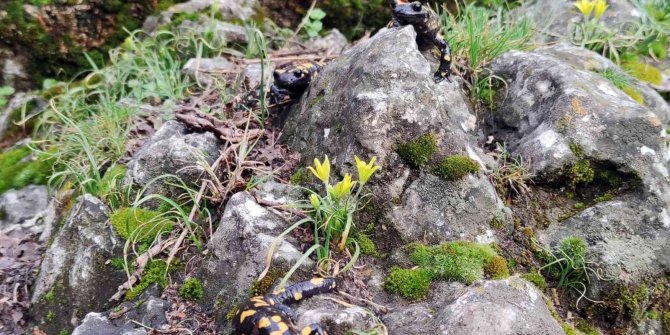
98 324
625 240
551 106
239 249
171 150
252 74
333 44
493 307
436 210
230 9
278 193
353 108
587 60
68 284
23 209
498 307
334 317
649 327
206 71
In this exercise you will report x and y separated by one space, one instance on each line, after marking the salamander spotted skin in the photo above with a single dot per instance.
270 315
292 80
428 28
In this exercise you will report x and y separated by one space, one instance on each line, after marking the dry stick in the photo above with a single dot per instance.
290 59
141 261
302 24
280 207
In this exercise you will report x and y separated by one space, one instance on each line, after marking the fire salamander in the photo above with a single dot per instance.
427 25
292 80
270 315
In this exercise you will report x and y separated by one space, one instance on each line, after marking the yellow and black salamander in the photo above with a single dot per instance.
292 80
428 29
270 314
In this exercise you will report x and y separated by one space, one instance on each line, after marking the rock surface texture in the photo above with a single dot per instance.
68 285
378 95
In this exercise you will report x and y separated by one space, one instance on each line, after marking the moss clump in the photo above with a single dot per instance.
666 322
497 223
456 167
418 151
462 261
605 197
411 284
635 301
18 170
365 244
586 328
192 289
50 296
118 263
643 71
140 225
581 171
568 329
497 268
300 177
153 274
108 183
264 286
535 278
634 94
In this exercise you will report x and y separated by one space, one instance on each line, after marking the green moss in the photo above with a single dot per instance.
265 285
497 268
581 171
644 72
497 223
154 274
301 177
568 329
192 289
605 197
455 167
118 263
586 328
418 151
666 322
412 284
535 278
50 316
231 312
462 261
635 301
634 94
367 246
50 296
652 315
140 225
111 179
64 332
18 170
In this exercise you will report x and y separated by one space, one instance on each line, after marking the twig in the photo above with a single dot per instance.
289 59
302 24
141 262
379 307
299 52
281 207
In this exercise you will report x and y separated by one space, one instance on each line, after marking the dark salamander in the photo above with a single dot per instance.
427 25
270 315
292 80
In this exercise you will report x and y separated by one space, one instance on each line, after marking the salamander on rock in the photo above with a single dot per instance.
428 28
292 80
270 315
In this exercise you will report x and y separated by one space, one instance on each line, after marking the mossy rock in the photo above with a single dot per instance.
19 168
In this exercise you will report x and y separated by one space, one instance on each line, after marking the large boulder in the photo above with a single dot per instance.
577 130
172 150
493 307
69 282
239 248
376 96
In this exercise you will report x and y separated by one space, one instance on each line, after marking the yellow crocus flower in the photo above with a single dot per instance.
365 170
321 171
600 8
585 6
343 187
314 199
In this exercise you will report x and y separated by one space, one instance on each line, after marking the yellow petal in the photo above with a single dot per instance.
600 8
585 7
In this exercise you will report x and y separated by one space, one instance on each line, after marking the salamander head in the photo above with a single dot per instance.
410 12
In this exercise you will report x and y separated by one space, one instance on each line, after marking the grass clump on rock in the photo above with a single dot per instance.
192 289
456 167
418 151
